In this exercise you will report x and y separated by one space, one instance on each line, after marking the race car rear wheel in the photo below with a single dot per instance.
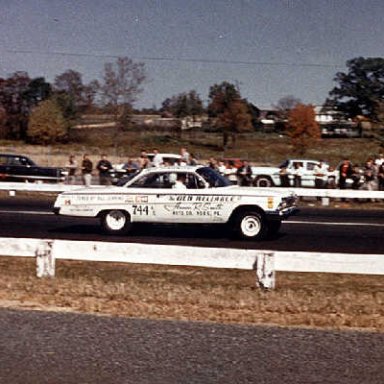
250 225
116 222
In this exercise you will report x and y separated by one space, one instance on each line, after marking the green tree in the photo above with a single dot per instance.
360 89
303 129
12 90
47 124
230 112
184 105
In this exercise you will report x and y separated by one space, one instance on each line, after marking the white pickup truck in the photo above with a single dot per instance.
270 176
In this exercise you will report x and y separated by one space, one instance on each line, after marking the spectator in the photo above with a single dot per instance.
321 174
185 156
212 163
193 159
244 174
284 177
131 166
331 179
144 160
380 177
345 172
104 166
221 167
157 160
370 172
231 172
356 177
297 174
379 160
86 170
72 168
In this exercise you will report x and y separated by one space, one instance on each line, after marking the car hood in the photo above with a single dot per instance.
265 170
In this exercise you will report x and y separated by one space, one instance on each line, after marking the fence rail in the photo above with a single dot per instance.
301 192
264 262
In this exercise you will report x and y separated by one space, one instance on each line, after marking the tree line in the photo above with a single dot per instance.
37 111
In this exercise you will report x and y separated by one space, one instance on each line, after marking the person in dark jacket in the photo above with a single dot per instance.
86 170
345 172
244 174
104 166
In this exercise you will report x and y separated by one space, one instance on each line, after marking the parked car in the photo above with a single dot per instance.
207 198
270 176
22 168
119 171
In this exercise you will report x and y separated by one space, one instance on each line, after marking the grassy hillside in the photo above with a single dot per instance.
257 147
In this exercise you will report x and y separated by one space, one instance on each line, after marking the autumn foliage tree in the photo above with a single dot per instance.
303 129
47 124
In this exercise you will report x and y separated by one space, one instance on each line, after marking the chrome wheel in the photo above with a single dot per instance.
116 222
250 225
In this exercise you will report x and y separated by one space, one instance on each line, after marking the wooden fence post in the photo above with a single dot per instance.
265 270
45 261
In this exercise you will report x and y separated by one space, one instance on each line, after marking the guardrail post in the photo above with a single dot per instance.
325 201
265 270
45 261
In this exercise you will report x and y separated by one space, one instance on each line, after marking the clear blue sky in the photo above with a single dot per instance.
270 48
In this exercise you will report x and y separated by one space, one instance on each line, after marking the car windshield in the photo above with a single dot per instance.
123 180
213 178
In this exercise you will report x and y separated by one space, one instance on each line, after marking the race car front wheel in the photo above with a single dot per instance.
116 222
250 225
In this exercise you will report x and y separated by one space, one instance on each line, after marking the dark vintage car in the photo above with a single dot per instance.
23 169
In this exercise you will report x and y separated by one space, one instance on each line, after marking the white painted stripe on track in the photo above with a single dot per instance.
351 224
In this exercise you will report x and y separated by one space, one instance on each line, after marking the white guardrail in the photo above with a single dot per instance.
264 262
302 192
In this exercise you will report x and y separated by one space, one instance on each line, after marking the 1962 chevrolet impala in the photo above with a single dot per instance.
190 194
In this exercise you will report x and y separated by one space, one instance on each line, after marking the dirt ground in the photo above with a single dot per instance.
199 294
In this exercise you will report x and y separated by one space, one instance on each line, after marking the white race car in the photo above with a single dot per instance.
202 196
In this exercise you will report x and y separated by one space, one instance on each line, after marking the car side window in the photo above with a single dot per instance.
23 161
146 181
156 180
192 182
14 161
311 166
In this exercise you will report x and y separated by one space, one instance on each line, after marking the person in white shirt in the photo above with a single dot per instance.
185 155
157 160
321 174
297 174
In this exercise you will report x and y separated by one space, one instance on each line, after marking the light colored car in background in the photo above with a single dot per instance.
270 176
150 196
119 171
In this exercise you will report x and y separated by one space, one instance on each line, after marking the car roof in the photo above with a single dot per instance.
174 155
174 168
